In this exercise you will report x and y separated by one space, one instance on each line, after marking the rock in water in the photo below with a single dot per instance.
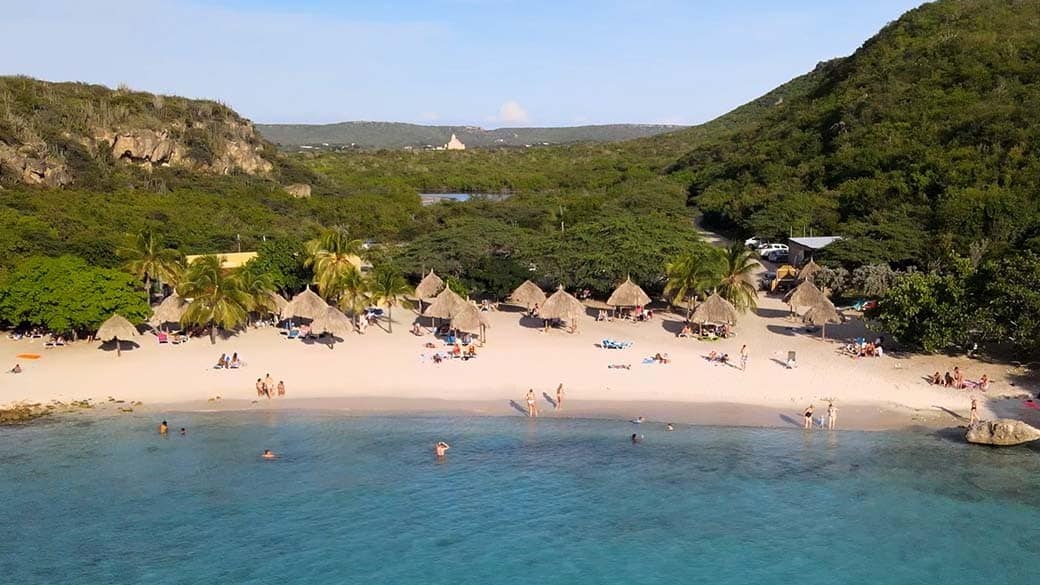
1002 431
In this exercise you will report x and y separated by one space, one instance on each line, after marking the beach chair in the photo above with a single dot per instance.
293 334
449 340
163 338
792 361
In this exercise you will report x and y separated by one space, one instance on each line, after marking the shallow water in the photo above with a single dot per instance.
361 500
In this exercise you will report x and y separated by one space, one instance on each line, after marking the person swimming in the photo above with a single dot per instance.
269 454
637 421
184 432
164 428
669 427
441 449
636 438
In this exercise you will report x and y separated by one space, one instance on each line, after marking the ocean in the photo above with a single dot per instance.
97 499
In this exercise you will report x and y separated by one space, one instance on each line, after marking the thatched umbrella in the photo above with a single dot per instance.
806 295
333 322
628 294
279 303
821 315
715 309
527 295
429 287
561 305
169 311
307 305
808 271
445 305
468 318
116 327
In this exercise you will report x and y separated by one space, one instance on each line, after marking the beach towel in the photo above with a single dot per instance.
28 356
1031 404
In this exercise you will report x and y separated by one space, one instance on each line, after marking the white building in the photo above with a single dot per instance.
454 144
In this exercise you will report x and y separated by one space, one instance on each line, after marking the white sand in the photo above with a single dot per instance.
386 369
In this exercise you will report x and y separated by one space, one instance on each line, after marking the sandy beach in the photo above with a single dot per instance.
381 372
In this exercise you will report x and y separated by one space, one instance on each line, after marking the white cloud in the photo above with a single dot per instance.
512 113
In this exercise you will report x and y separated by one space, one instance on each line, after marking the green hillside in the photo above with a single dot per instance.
926 135
374 135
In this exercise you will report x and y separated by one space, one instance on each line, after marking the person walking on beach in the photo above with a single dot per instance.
807 415
441 449
832 416
974 416
532 404
559 397
743 357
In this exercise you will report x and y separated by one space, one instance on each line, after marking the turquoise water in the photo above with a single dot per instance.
361 500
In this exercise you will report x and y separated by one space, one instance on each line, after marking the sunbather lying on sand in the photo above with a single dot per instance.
619 367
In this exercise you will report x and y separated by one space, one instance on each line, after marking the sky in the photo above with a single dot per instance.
490 63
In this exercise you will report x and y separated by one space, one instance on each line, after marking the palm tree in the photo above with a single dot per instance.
388 287
352 290
217 300
690 274
147 259
258 286
332 256
736 281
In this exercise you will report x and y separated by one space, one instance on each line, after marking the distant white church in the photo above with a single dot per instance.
454 144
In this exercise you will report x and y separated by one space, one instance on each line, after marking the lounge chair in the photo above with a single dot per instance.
293 334
163 338
611 344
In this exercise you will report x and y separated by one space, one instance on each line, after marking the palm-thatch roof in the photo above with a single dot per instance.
116 327
333 322
169 311
561 305
808 271
715 309
822 315
628 294
429 286
806 295
279 303
307 305
468 318
527 295
445 305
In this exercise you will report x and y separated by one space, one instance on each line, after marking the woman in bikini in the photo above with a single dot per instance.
532 405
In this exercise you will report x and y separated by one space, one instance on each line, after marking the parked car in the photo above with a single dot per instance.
765 249
753 242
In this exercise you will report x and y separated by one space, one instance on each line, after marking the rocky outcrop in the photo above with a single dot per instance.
299 190
1002 431
146 146
244 156
31 168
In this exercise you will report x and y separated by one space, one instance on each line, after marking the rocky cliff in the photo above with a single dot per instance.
57 134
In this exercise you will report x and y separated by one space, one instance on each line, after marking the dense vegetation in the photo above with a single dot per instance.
920 149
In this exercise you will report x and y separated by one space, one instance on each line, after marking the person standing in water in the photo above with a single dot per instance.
974 416
832 416
743 357
441 449
559 397
164 428
281 387
532 404
807 415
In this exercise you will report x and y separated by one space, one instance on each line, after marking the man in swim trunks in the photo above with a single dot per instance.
559 397
164 428
832 416
441 449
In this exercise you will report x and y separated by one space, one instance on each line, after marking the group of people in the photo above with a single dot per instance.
957 380
164 430
532 401
831 421
861 348
226 362
265 387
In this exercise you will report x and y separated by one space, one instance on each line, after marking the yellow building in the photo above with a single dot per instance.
231 260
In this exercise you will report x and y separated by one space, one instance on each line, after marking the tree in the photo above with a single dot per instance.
927 311
67 295
688 275
873 280
217 298
352 291
333 255
736 282
388 287
283 260
147 259
257 287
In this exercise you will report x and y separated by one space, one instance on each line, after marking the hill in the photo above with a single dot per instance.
60 134
925 139
374 135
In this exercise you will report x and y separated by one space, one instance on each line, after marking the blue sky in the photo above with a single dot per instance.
484 62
